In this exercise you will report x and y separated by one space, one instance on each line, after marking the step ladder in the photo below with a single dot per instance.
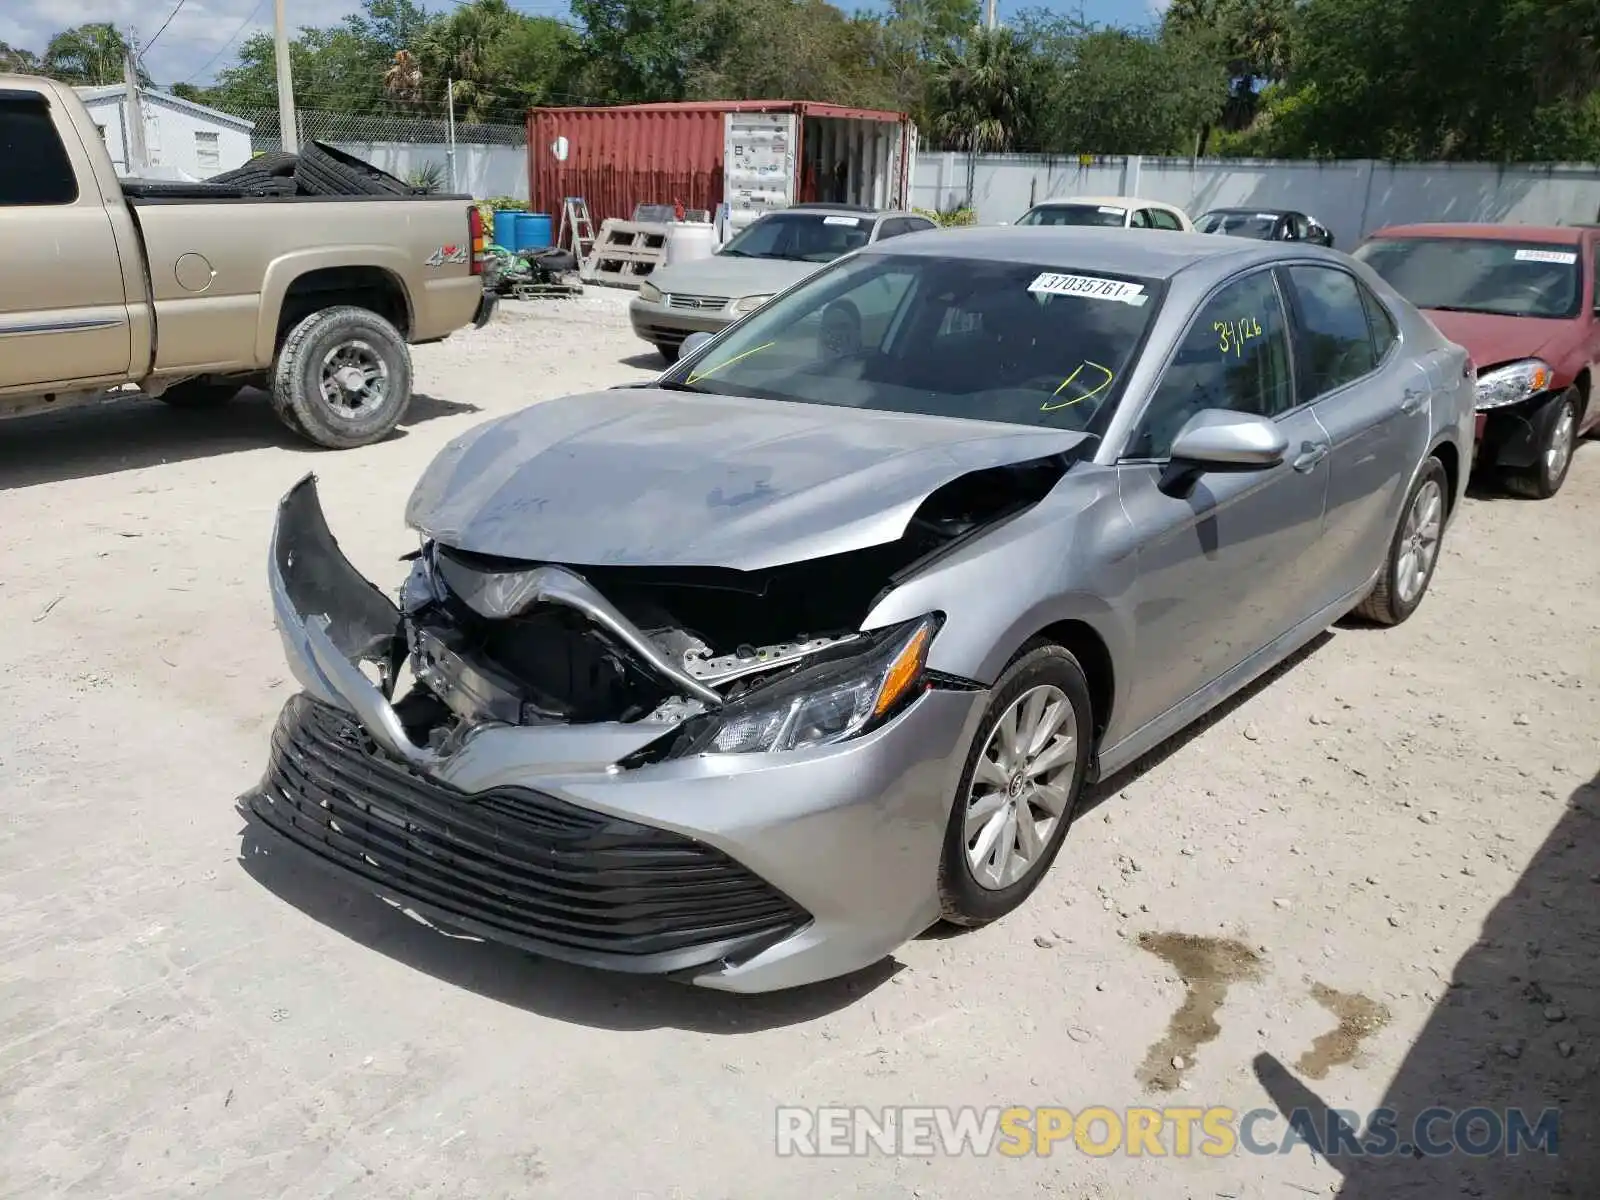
576 232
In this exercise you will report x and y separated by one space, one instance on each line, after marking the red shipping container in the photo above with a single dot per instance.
622 156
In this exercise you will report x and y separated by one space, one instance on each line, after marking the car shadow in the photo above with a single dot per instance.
137 432
648 361
1098 793
1514 1030
561 991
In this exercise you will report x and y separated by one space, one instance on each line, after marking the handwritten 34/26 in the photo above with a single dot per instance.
1232 335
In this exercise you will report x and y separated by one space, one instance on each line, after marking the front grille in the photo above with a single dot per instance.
511 864
697 303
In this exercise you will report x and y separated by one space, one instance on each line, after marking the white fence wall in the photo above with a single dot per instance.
1351 197
481 171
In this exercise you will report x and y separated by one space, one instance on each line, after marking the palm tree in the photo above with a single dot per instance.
87 55
402 83
984 95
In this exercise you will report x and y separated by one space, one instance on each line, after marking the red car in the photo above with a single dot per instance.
1521 299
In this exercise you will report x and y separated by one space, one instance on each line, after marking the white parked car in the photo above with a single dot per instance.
1109 212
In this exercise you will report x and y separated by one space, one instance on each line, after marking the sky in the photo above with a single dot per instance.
203 35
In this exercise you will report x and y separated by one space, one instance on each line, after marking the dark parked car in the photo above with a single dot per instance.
1521 299
1266 225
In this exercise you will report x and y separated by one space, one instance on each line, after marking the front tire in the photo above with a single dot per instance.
668 351
342 378
1020 789
1558 438
1414 551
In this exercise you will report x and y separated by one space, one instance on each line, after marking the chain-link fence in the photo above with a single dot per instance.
322 125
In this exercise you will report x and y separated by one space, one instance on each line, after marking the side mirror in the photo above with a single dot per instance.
693 343
1217 440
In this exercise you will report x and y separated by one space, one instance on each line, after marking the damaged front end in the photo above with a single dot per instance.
727 661
545 754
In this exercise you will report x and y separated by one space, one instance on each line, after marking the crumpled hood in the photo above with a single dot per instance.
1492 340
643 477
719 276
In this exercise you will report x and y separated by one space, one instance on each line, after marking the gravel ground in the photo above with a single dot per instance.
1372 880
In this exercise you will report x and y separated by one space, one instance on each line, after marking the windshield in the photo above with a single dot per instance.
801 237
1239 224
1511 279
952 337
1103 215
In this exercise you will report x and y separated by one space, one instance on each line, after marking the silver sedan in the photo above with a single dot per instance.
747 675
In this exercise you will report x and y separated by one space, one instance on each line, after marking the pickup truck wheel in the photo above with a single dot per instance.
199 393
342 378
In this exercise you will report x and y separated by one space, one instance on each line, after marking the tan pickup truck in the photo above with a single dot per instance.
193 292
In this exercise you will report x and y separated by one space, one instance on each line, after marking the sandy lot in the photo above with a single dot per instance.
1382 869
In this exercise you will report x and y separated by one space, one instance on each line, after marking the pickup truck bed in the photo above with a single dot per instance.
191 296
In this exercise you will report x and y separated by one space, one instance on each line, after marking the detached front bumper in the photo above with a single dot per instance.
747 873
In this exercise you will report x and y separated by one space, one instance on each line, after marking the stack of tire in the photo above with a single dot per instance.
318 170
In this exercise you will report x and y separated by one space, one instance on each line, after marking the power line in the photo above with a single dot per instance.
176 9
224 49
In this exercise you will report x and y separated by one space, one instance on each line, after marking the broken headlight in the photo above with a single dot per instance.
823 704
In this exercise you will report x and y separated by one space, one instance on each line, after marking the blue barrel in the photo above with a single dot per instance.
533 231
505 229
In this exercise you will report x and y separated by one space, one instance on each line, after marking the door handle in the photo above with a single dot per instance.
1311 453
1412 400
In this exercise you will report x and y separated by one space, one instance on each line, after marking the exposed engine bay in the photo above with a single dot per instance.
511 642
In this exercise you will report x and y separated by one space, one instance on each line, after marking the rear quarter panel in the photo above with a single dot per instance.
219 270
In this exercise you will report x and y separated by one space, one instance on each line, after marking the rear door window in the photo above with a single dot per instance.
1334 339
1162 219
37 170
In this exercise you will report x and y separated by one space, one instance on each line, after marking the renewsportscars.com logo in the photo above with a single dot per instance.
1176 1132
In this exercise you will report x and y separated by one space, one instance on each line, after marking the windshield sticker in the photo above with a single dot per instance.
1106 377
850 221
1092 286
1113 210
1232 335
1565 258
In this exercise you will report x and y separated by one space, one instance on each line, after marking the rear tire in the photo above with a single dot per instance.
342 378
200 393
990 865
669 352
1413 552
1558 438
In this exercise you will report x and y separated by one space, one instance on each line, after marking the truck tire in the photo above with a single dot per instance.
325 170
274 164
342 378
200 393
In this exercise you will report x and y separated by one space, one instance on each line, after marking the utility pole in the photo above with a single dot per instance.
450 154
286 127
992 20
133 110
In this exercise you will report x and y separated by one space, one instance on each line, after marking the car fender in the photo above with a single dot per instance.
283 271
1066 559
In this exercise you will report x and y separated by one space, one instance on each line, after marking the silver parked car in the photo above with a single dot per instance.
751 673
780 249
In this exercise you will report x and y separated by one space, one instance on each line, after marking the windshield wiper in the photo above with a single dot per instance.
726 253
672 385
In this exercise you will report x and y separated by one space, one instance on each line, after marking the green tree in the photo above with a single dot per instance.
17 60
827 56
639 50
1254 39
499 60
86 55
1101 98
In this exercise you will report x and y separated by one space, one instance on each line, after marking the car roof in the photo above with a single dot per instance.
1108 201
1566 235
1269 212
1116 251
819 206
